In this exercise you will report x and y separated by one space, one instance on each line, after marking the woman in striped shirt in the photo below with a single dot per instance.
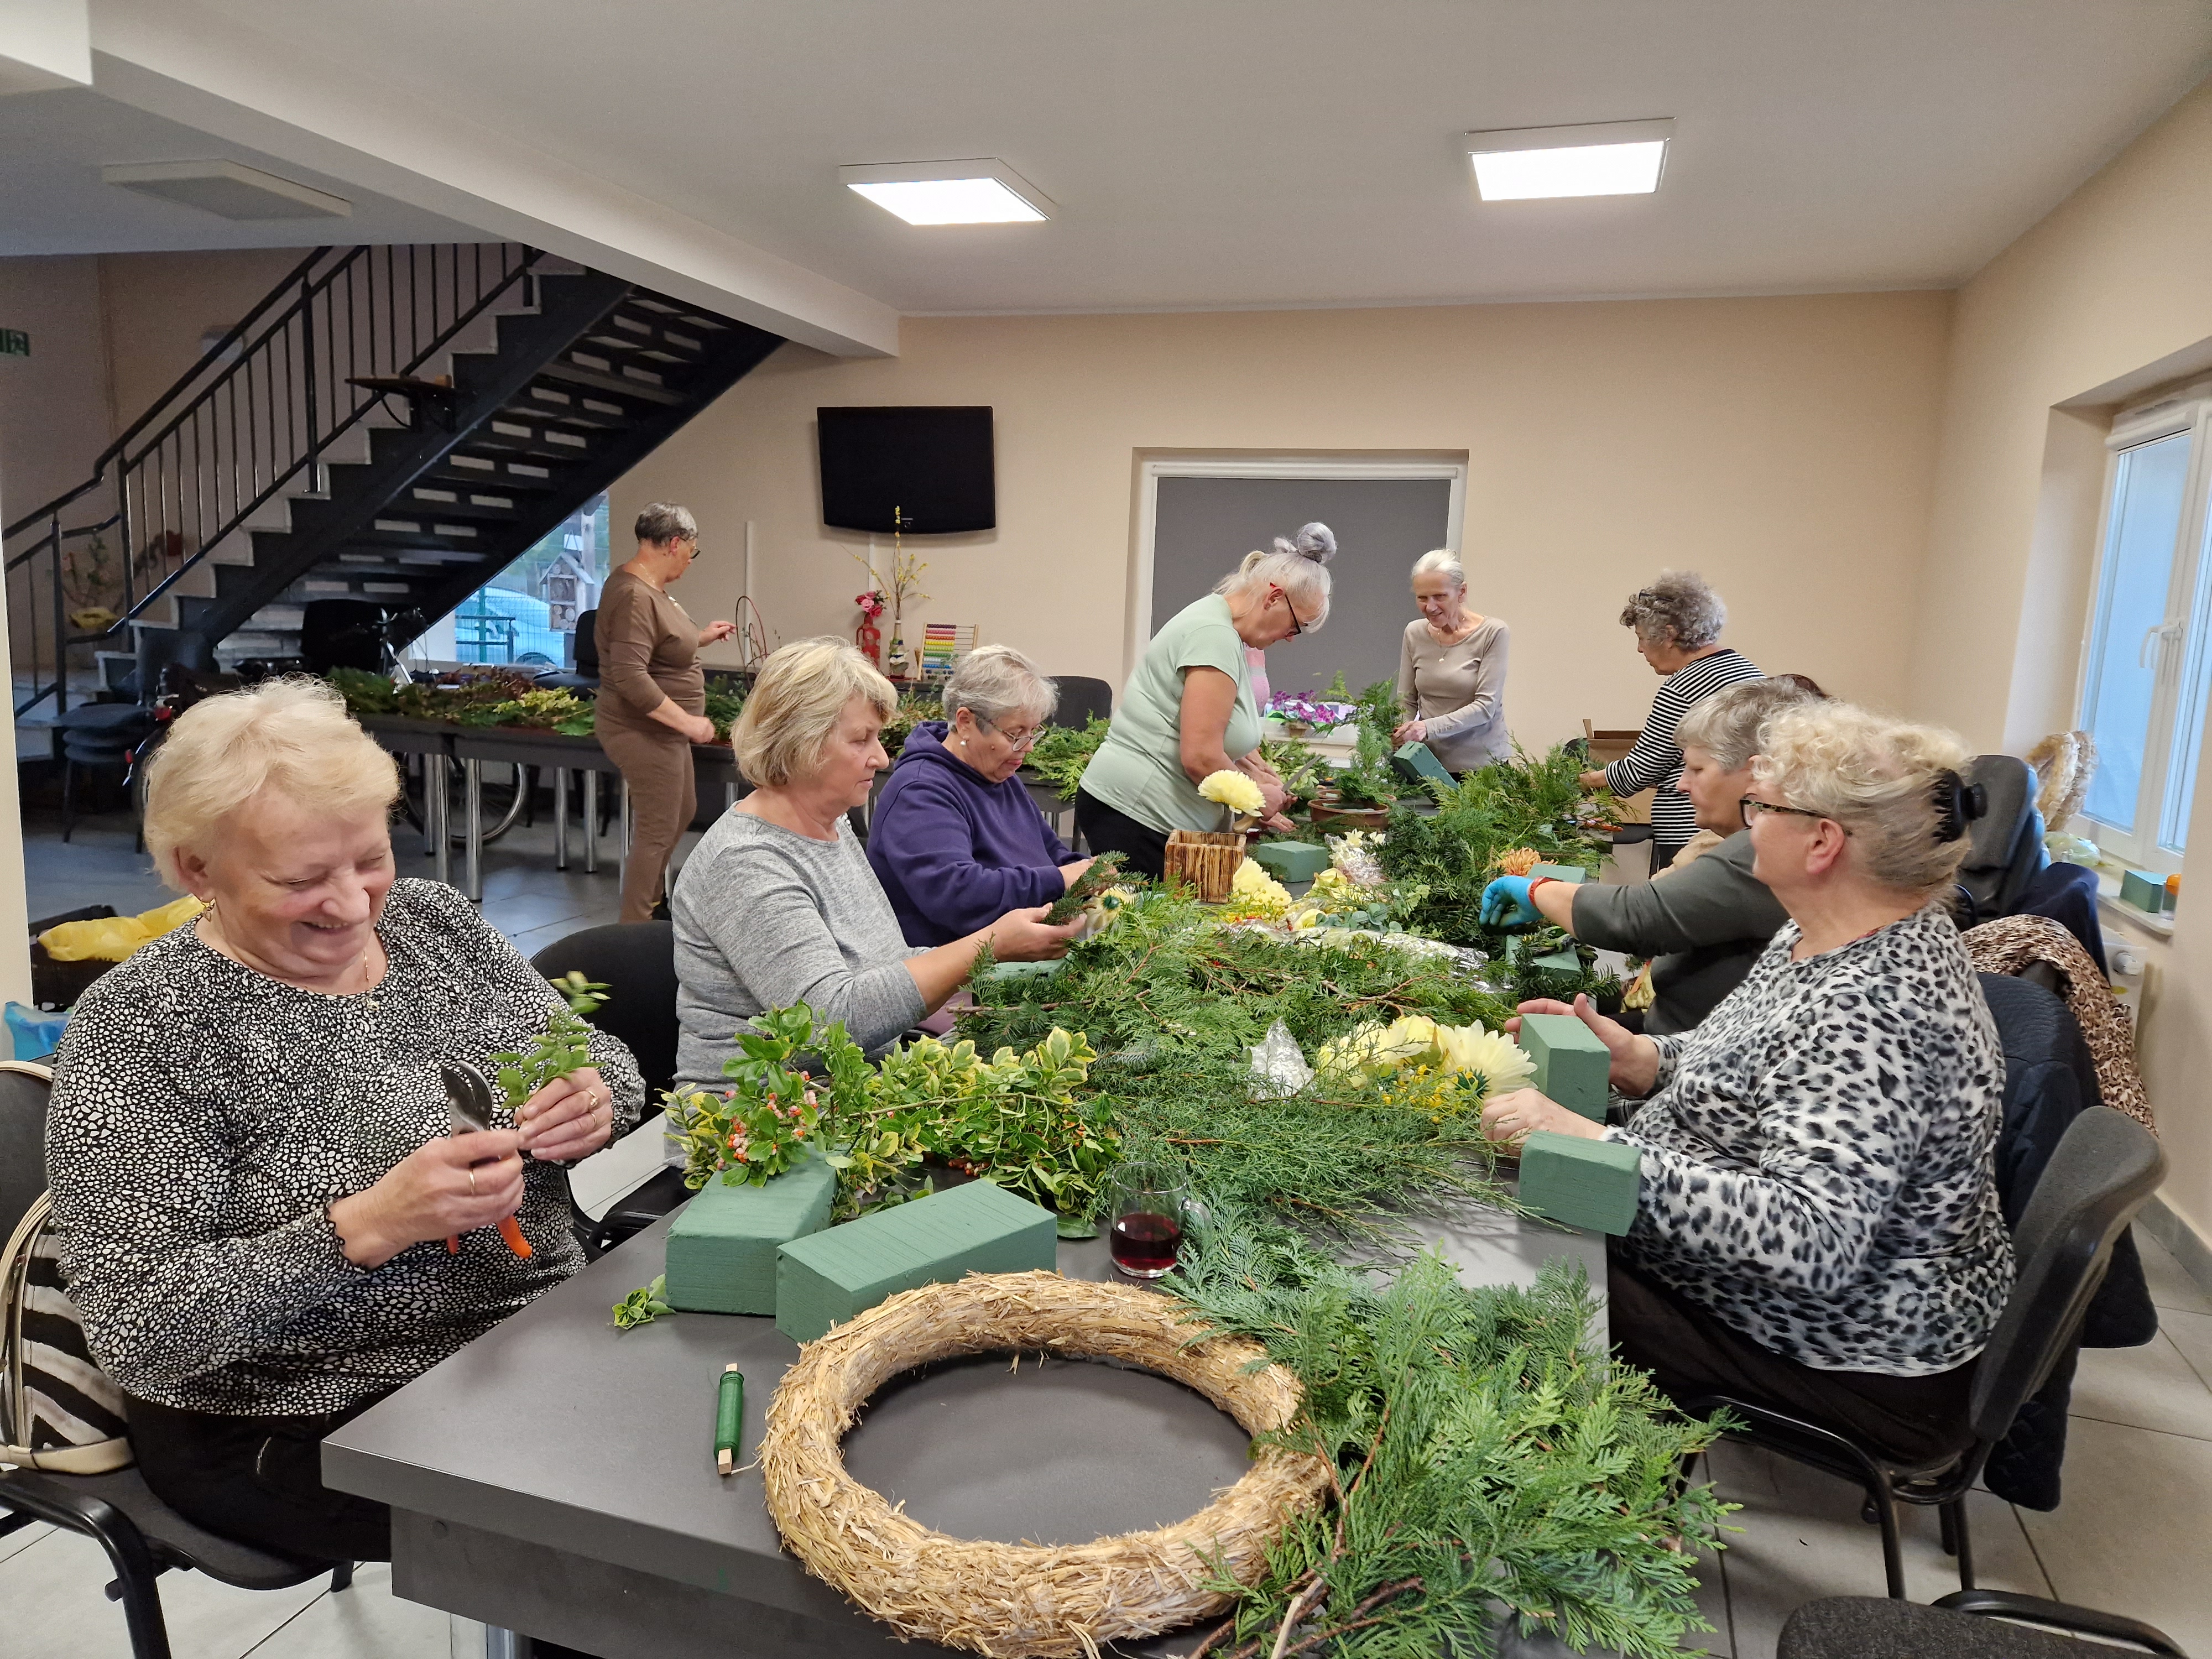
1678 621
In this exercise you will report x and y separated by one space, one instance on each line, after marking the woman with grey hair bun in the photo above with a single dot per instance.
1189 711
1677 622
653 695
954 839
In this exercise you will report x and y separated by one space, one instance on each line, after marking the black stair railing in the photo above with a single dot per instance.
256 415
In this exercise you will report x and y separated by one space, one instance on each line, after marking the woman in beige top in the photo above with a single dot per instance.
1451 672
652 696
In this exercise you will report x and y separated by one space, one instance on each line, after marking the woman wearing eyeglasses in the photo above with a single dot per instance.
955 838
1188 712
1817 1228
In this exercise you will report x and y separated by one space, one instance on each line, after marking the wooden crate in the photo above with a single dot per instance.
1207 859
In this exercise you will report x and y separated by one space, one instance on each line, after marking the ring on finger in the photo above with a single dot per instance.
472 1184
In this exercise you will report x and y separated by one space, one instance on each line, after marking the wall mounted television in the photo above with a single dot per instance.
929 463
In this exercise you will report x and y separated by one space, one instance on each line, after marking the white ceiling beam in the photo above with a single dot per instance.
178 60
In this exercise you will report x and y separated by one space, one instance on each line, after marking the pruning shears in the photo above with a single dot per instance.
470 1103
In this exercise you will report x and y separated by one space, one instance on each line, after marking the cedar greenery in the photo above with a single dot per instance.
1062 753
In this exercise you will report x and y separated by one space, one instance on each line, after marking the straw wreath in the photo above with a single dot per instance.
1012 1600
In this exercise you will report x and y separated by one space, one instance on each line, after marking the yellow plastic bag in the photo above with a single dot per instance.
111 938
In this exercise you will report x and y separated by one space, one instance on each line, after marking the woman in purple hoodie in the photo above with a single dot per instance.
956 840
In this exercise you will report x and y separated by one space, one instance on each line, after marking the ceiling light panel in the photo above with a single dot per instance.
1611 158
979 191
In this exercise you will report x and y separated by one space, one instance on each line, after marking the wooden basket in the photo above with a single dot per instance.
1207 859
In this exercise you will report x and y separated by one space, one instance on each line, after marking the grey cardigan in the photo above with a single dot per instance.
1706 925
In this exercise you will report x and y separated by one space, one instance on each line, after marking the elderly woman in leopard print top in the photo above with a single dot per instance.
1818 1227
247 1140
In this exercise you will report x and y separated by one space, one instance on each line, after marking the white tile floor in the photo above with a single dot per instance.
2129 1536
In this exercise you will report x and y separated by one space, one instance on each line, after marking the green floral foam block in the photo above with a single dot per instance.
1417 763
1292 860
1571 1063
1591 1184
827 1277
722 1247
1573 874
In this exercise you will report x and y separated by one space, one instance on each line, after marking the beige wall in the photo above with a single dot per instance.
2111 291
54 413
1784 447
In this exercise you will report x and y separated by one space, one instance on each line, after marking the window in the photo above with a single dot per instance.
527 614
2146 669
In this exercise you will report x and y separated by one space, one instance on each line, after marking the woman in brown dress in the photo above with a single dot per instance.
652 696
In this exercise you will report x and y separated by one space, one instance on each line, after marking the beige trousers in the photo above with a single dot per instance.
664 795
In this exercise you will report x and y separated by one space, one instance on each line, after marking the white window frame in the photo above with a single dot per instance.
1151 468
2179 641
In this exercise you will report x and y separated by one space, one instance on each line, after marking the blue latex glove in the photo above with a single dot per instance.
1506 903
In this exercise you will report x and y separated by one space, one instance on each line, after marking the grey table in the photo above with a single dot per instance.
556 1477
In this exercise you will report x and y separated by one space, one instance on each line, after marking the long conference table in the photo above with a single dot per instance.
556 1477
440 744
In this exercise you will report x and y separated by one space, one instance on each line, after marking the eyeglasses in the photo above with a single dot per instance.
1297 627
1750 806
1021 739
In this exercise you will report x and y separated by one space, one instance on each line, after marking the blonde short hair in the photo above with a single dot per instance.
1727 725
1880 779
795 704
292 735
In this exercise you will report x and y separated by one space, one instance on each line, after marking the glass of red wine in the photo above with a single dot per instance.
1149 1206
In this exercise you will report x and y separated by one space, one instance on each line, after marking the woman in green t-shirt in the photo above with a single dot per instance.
1188 712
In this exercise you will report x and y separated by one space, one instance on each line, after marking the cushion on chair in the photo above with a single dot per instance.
1871 1627
171 1537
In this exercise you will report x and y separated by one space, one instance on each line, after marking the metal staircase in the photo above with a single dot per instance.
392 424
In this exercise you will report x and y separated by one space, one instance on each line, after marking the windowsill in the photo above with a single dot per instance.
2108 901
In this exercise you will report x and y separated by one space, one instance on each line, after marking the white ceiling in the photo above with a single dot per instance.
53 145
1224 153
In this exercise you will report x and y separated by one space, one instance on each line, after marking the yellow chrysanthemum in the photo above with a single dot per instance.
1499 1062
1520 861
1235 791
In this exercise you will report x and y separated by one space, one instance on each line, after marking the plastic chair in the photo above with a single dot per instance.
1079 699
2105 1168
1856 1627
144 1537
637 961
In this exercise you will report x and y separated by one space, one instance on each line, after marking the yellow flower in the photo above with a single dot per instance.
1235 791
1520 861
1492 1056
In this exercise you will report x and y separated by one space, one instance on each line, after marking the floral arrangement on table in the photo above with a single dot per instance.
1014 1118
494 696
1305 715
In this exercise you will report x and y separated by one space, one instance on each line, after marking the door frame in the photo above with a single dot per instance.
1153 465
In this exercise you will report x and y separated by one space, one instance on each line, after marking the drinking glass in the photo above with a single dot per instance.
1149 1206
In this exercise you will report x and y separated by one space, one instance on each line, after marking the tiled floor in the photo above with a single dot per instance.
2129 1537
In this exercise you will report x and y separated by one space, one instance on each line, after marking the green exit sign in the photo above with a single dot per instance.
15 343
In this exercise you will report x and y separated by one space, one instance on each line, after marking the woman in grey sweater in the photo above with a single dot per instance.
1703 923
777 904
1451 670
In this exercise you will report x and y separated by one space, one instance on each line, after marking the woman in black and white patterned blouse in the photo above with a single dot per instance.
248 1139
1677 622
1818 1226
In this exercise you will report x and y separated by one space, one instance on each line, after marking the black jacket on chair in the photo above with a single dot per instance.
2050 1080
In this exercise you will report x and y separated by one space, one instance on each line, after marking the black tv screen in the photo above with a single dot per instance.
929 465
